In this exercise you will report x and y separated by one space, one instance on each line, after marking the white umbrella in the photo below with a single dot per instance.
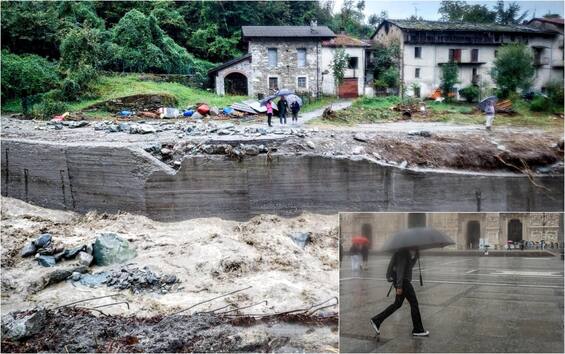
294 98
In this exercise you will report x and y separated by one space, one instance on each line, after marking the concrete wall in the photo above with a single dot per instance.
107 178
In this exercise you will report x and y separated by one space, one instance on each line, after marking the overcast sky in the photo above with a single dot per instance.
399 9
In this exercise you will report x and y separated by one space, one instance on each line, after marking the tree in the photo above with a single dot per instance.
513 68
338 66
509 15
461 11
27 75
375 20
449 78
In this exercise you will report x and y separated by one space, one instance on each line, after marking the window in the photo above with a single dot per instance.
273 83
301 82
455 55
273 57
352 64
417 73
417 52
301 57
474 55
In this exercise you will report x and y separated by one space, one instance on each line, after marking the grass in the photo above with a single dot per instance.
377 110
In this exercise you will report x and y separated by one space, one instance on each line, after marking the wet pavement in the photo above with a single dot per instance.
469 304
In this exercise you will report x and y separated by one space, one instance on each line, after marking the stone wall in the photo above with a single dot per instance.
287 70
243 67
111 178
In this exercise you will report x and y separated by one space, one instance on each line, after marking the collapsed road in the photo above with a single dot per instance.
176 170
202 285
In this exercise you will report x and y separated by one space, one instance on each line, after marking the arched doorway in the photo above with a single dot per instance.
473 234
515 230
235 84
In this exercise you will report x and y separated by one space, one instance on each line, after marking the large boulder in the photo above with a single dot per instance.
109 248
19 328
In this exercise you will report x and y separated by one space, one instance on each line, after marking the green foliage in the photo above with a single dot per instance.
470 93
539 104
78 83
391 77
85 46
555 94
206 42
141 46
480 13
339 64
26 75
513 68
50 105
386 65
449 77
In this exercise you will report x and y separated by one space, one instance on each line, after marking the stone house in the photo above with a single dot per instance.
427 45
468 230
292 57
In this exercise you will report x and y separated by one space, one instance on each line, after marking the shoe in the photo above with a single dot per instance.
421 334
375 326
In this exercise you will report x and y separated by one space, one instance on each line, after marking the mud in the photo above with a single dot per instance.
80 330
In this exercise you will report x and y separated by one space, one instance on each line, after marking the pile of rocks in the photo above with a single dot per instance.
133 278
48 253
58 125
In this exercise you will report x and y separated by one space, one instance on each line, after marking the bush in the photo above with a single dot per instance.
555 94
27 75
391 77
77 84
539 104
449 77
49 107
513 68
470 93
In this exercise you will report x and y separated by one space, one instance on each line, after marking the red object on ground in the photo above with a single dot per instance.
360 240
203 109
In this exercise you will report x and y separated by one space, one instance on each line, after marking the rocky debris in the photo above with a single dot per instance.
301 239
360 137
48 253
135 279
142 129
85 259
311 144
17 326
55 277
148 102
28 250
422 133
357 150
46 261
403 164
109 248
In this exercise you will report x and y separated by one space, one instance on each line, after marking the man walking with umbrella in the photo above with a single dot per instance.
282 106
406 246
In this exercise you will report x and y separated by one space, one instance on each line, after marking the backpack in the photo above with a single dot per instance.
391 271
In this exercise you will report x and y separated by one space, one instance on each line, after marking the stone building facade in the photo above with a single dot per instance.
427 45
286 72
468 230
237 70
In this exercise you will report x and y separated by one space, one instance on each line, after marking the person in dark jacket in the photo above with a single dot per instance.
282 106
401 265
294 108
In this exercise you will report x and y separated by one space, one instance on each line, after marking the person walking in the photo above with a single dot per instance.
355 252
489 111
269 106
282 106
294 108
400 274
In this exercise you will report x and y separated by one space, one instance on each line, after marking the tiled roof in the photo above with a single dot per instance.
287 31
556 21
461 26
229 63
343 40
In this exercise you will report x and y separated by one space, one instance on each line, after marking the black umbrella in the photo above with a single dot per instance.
419 237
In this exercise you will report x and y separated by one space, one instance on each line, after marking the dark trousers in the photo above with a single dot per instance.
295 116
410 295
282 117
269 116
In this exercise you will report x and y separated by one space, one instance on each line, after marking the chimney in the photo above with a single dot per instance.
313 25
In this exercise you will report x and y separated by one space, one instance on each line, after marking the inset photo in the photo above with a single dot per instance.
451 282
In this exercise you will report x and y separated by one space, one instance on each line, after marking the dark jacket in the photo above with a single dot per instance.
282 105
294 107
401 265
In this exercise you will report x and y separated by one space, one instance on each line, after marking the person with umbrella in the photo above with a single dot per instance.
489 111
269 106
356 250
406 246
282 106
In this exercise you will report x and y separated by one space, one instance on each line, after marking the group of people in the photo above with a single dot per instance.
282 108
539 245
